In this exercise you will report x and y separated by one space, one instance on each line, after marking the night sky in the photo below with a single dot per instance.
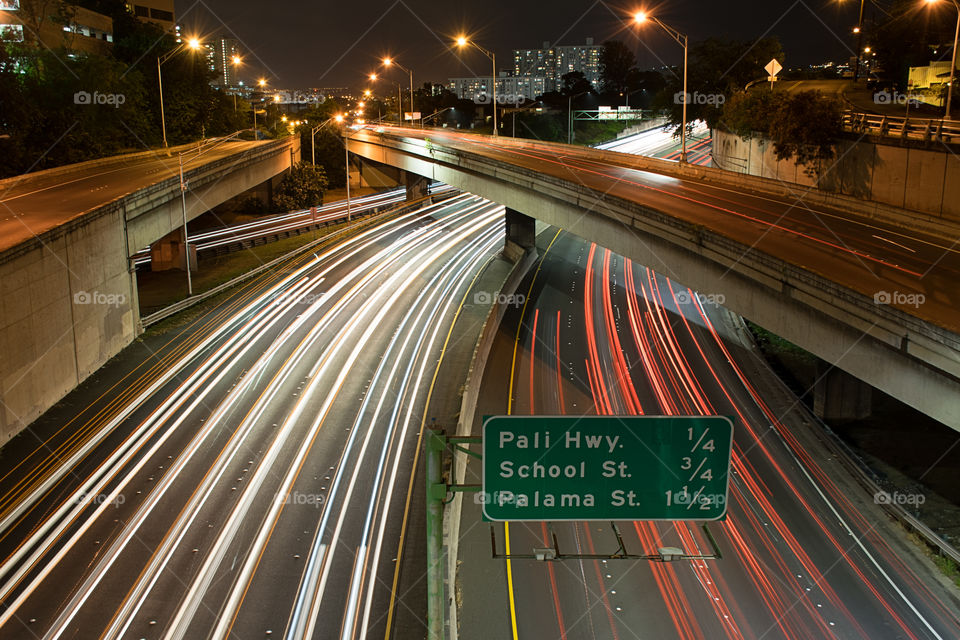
306 43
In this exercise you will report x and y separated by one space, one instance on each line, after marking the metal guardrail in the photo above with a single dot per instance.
928 129
868 479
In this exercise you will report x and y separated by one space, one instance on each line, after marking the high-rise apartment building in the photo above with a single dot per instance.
220 54
535 72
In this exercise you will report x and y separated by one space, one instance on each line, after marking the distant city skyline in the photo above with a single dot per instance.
322 48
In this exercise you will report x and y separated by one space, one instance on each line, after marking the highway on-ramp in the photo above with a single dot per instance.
37 202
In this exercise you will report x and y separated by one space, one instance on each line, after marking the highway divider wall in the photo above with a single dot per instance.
468 410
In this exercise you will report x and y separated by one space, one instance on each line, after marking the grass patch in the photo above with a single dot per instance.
948 567
773 344
158 290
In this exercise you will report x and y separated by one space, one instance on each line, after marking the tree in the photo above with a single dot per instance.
35 14
719 68
574 83
804 125
807 125
616 63
303 187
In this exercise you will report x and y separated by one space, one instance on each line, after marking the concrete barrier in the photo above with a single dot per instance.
468 410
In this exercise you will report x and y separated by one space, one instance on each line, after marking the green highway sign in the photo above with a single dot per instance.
606 467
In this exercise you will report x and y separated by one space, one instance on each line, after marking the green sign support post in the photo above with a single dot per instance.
553 468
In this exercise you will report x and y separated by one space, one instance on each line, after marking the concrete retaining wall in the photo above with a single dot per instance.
69 305
922 180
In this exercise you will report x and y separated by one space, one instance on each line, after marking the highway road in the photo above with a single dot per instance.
36 202
661 143
806 553
863 255
254 480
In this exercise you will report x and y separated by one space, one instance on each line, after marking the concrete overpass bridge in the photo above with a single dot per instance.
68 293
862 286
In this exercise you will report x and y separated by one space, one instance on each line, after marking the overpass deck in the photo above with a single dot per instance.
34 203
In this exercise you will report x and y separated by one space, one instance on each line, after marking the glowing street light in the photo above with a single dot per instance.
953 61
193 44
642 18
373 77
462 42
389 62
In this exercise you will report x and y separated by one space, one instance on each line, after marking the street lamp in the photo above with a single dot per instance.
641 17
953 60
570 100
463 42
373 78
236 60
387 62
858 30
193 44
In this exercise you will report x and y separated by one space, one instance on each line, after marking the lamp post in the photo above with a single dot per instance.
315 130
953 57
373 78
642 17
859 31
193 44
236 61
387 62
463 42
570 115
262 83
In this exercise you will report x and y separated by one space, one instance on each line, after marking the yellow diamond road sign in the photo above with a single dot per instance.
773 67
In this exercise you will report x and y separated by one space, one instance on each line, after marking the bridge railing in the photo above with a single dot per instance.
930 129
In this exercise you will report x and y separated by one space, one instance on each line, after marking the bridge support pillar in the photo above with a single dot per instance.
839 397
168 253
417 186
521 234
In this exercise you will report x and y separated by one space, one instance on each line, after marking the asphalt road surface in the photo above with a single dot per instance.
36 202
256 481
806 552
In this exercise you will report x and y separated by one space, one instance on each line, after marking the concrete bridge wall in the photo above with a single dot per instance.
69 296
907 358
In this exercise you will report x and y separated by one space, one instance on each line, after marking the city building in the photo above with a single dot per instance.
929 84
510 89
535 72
82 31
220 53
552 63
159 12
